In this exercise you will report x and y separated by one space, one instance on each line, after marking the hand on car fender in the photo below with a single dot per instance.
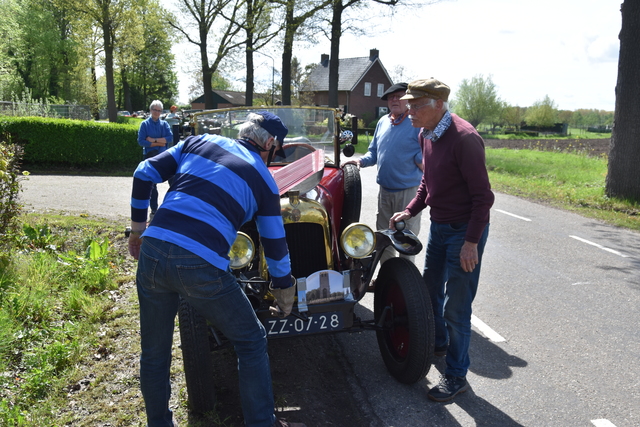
283 300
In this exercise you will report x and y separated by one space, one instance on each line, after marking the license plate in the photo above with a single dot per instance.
314 323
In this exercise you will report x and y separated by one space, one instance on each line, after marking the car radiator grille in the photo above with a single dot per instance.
306 248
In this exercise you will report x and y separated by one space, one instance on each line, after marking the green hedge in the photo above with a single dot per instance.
73 143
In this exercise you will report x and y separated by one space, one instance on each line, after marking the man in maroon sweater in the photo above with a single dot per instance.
455 185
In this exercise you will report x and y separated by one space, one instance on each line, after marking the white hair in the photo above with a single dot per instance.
432 103
253 130
156 103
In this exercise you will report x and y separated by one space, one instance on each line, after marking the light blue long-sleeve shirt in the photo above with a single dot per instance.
397 152
154 129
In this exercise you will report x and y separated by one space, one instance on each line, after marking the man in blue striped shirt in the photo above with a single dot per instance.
219 184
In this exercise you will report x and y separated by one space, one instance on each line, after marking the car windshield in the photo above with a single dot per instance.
310 129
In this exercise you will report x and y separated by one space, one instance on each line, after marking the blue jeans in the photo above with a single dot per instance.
166 271
452 291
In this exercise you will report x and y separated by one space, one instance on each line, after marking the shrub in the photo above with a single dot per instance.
10 156
73 143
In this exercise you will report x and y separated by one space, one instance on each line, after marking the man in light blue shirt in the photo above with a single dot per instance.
396 151
154 135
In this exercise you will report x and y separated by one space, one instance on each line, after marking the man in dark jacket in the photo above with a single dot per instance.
455 185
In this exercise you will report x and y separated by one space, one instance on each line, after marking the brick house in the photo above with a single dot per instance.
221 99
362 81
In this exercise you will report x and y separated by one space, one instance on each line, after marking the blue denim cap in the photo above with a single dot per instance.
274 126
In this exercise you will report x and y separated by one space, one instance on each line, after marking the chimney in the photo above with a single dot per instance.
373 54
324 60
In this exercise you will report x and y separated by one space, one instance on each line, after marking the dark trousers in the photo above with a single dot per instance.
153 202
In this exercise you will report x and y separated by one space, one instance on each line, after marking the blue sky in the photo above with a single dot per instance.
566 49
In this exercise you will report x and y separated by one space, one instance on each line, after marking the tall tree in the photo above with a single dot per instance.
148 64
623 178
477 100
43 52
259 31
542 113
10 81
296 13
513 116
109 16
205 13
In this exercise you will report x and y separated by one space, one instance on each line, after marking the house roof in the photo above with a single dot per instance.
350 71
232 97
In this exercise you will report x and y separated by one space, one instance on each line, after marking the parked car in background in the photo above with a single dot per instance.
124 113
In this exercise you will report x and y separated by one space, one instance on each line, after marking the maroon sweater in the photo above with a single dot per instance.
455 183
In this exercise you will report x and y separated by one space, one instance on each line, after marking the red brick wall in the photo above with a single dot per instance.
367 106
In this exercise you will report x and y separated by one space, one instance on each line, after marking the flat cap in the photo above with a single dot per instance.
427 88
394 88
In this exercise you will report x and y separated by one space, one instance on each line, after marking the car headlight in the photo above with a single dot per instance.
241 252
358 240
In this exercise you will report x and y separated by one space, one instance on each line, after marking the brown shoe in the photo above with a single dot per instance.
284 423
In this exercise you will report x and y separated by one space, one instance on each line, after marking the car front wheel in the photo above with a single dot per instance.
403 307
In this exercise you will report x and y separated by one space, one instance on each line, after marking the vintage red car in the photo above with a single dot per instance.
333 256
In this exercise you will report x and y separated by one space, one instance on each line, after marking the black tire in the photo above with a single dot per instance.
352 201
197 359
406 343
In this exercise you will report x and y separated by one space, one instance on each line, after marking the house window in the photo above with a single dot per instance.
367 89
380 89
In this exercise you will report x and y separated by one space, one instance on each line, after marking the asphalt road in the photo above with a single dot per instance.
555 340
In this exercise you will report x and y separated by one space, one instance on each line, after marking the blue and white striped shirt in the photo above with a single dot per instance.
219 185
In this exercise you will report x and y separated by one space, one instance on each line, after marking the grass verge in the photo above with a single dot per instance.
570 181
65 331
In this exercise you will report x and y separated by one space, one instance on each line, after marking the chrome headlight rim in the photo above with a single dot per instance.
363 235
241 251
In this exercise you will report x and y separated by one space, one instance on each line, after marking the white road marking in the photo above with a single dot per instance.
602 423
486 330
599 246
513 215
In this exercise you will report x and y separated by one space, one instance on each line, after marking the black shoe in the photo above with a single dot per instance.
440 351
448 388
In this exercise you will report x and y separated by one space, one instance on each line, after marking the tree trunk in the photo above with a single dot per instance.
112 110
334 62
126 93
250 86
287 53
623 179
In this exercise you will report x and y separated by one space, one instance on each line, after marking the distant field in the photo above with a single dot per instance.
591 147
